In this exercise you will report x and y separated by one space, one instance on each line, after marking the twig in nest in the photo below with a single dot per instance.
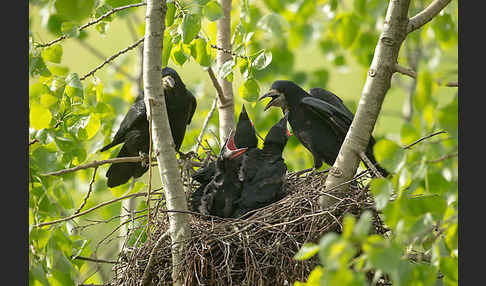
146 273
96 260
370 164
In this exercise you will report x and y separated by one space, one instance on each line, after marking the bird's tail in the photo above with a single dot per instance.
108 146
120 173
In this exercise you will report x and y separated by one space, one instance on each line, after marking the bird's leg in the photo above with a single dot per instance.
145 158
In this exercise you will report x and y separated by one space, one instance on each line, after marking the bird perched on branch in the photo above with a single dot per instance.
319 120
263 171
218 196
134 128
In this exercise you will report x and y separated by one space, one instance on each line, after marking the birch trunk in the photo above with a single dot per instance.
226 107
376 85
397 26
163 145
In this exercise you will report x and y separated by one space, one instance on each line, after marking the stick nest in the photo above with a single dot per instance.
255 250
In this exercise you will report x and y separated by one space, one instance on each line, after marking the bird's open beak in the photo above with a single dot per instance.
232 154
168 82
278 99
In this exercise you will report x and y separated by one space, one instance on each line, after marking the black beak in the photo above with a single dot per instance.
278 99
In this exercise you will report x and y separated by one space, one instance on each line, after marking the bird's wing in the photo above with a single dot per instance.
193 104
136 113
331 98
327 112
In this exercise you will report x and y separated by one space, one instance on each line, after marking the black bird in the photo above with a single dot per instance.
263 172
218 196
319 120
134 128
244 136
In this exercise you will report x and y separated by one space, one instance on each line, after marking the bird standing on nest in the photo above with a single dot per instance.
263 171
134 128
319 120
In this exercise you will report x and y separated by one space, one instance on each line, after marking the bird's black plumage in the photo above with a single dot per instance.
319 120
244 136
134 128
263 172
218 196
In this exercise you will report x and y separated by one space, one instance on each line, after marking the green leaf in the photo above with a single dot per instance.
191 24
70 29
213 11
103 9
93 126
52 54
262 60
74 87
306 251
226 68
38 67
166 49
47 100
425 88
348 224
39 116
389 154
249 90
346 29
408 134
382 190
169 15
385 257
74 10
363 225
359 6
202 56
448 117
178 56
274 23
449 267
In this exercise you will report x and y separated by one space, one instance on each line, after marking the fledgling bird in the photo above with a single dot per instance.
244 136
134 128
319 120
218 196
263 172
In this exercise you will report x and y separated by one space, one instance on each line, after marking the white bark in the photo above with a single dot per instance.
163 145
226 107
384 64
376 85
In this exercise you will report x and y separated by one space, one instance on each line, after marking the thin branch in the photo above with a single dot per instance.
146 273
89 191
205 125
405 70
445 157
132 46
99 55
91 209
97 20
452 84
33 141
217 86
96 260
426 15
96 164
370 165
423 138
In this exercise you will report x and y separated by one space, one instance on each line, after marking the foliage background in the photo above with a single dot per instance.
315 43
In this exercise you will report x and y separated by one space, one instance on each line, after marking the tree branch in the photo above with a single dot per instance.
97 20
406 71
112 58
424 138
89 191
95 164
146 273
426 15
205 125
91 209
